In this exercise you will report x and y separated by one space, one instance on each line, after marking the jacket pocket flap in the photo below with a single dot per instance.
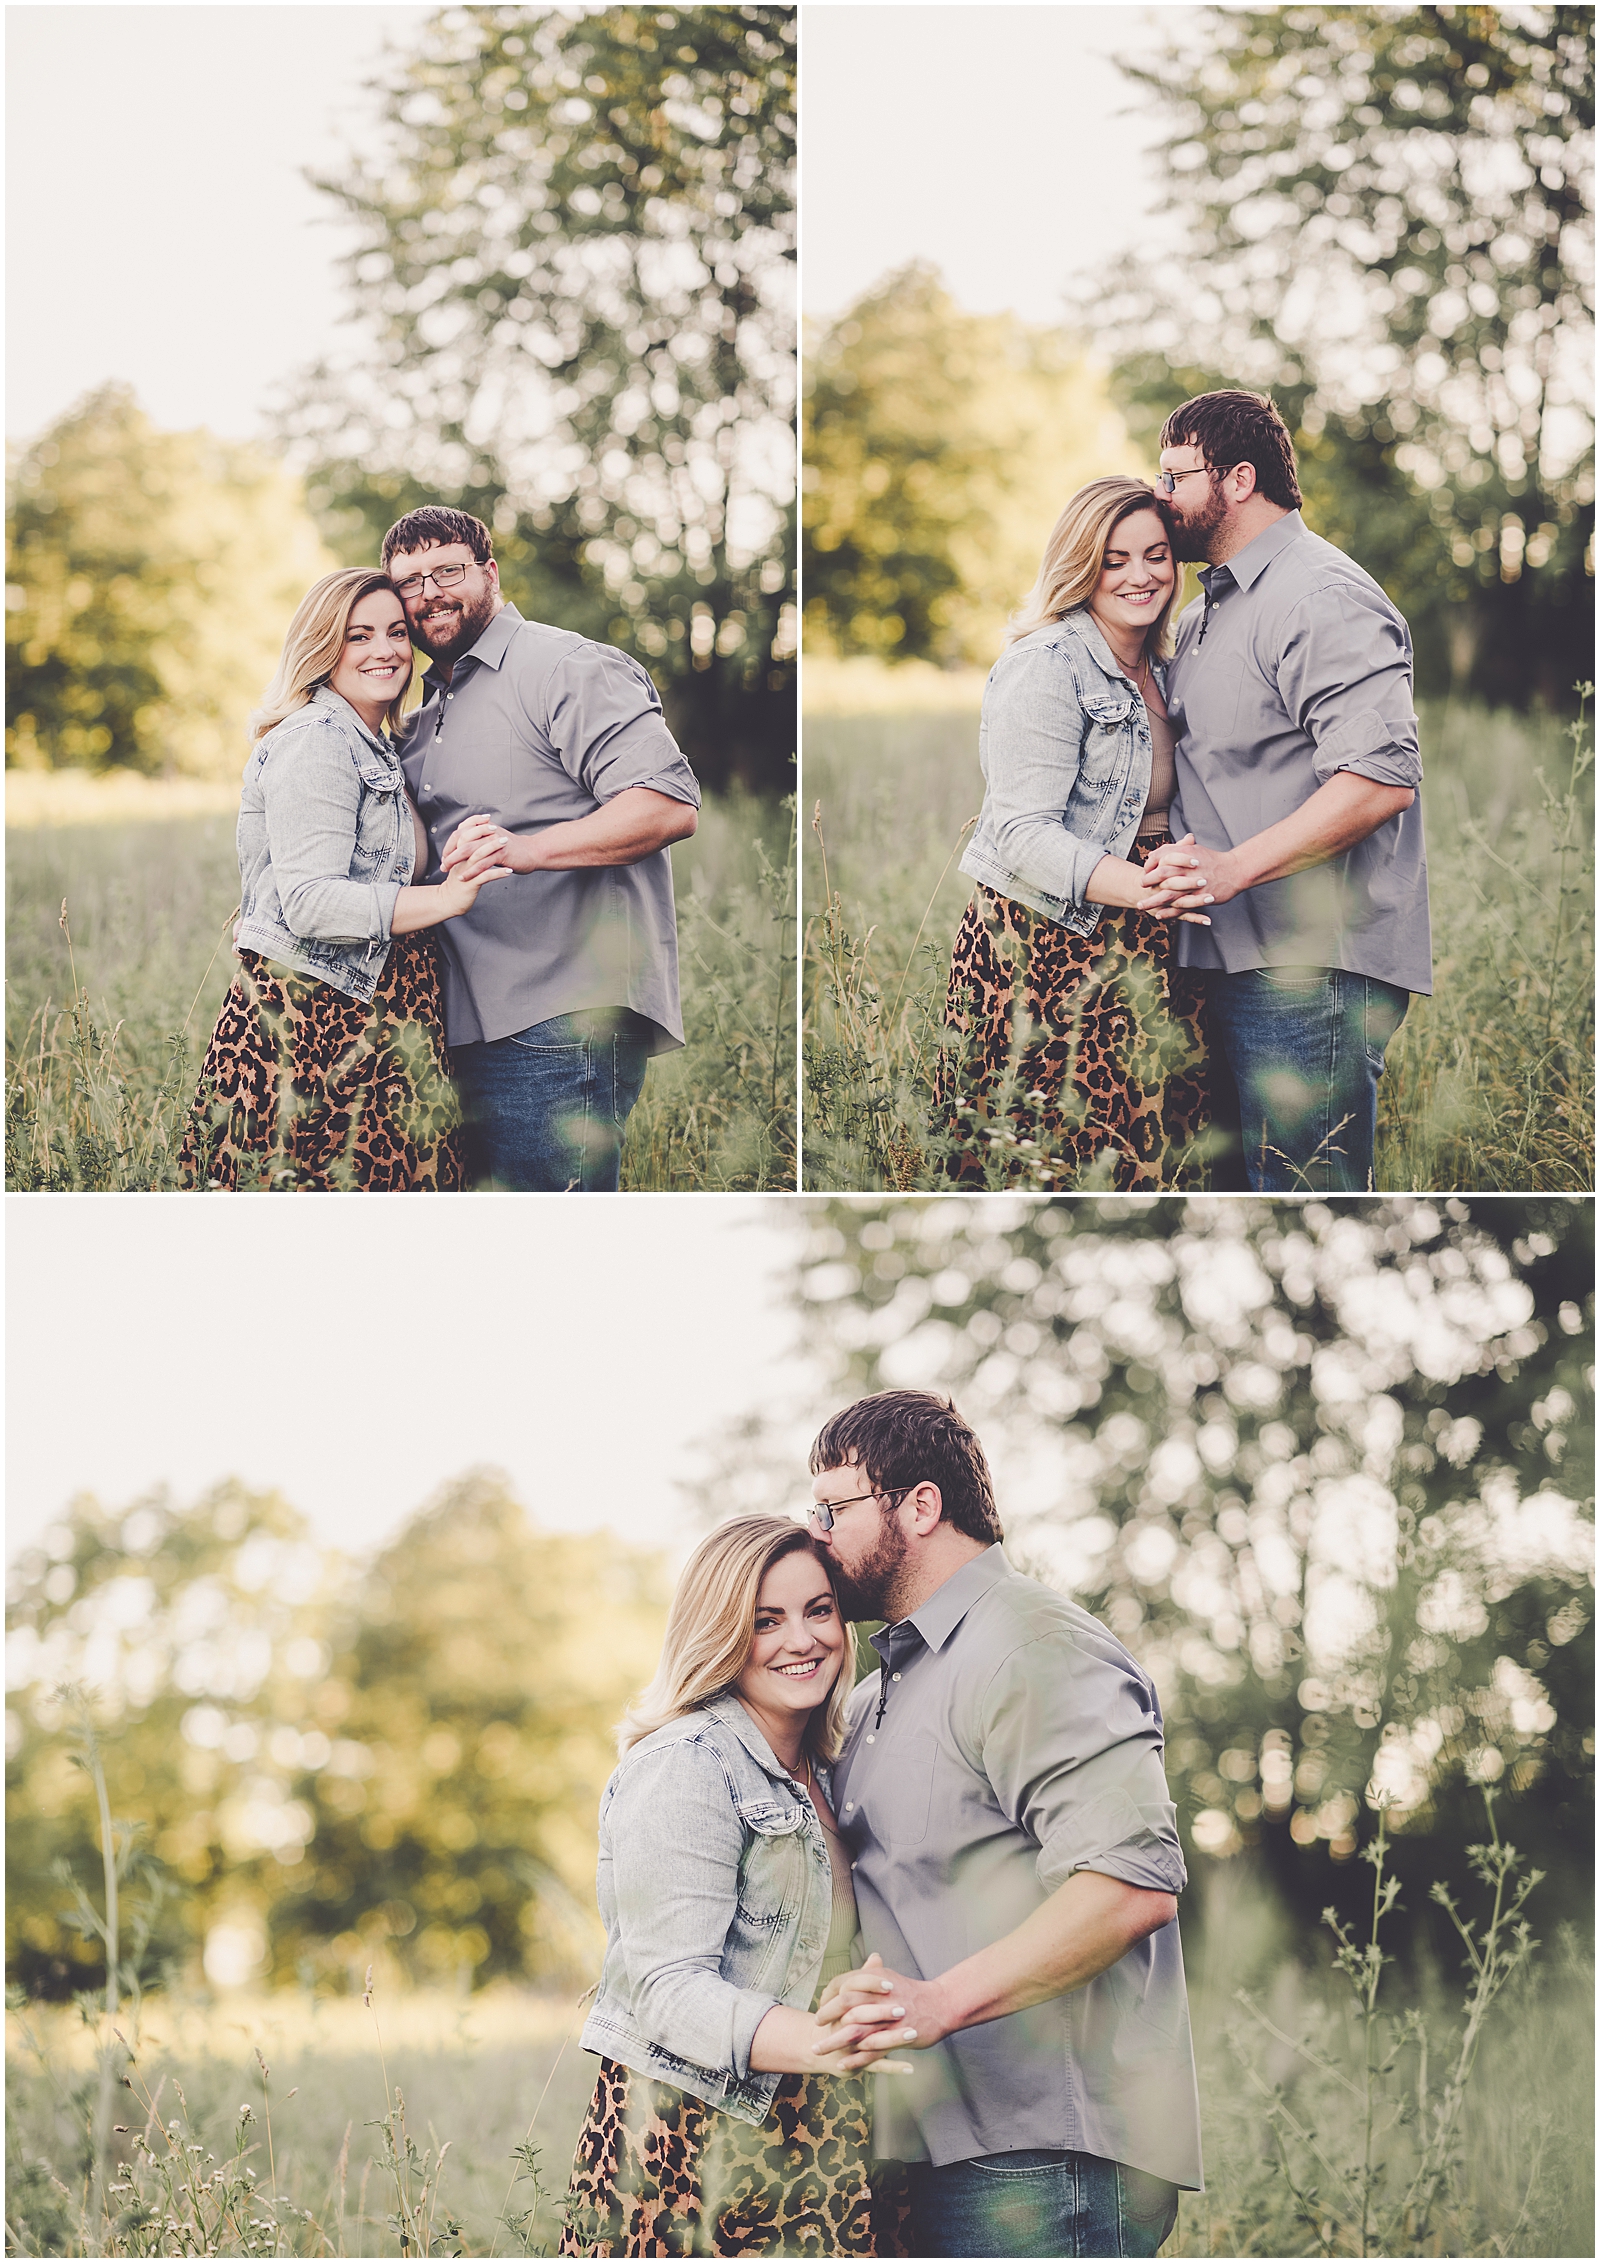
378 776
770 1817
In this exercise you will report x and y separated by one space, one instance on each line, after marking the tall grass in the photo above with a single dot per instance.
1353 2119
282 2126
1350 2109
1489 1085
119 957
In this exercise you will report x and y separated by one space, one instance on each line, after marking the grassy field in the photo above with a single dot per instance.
111 1003
480 2074
1490 1084
485 2075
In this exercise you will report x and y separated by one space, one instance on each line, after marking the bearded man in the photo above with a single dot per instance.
1016 1865
1298 767
545 751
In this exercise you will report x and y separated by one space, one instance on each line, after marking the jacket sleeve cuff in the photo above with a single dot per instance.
1370 745
1049 859
749 2011
385 894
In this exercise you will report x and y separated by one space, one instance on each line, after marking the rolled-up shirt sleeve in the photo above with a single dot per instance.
1033 736
674 1917
602 715
1344 676
312 797
1073 1752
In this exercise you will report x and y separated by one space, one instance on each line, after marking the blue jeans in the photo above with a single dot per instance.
545 1109
1038 2203
1305 1046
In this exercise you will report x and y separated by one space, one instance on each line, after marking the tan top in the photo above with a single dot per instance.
1163 773
424 851
840 1953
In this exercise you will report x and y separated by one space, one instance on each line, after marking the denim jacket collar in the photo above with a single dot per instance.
1082 621
376 760
728 1710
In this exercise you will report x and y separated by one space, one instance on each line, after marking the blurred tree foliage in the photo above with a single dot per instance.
1385 222
201 1633
939 448
474 1696
149 578
1327 1469
332 1769
574 284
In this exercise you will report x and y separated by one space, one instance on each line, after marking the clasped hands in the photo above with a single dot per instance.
1181 876
479 842
864 2014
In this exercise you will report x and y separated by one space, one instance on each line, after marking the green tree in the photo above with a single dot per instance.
471 1704
574 280
939 447
149 579
1384 221
1327 1469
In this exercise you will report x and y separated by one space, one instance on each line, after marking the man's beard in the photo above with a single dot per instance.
466 625
1191 542
869 1591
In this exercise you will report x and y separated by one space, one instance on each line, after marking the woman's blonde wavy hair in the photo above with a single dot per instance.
316 639
1074 558
712 1624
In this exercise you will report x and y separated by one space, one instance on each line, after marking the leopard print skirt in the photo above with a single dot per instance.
660 2173
1086 1052
305 1089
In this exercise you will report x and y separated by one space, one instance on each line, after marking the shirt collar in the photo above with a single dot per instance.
1249 564
491 646
937 1619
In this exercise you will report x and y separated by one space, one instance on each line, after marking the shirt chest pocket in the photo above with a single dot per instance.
900 1799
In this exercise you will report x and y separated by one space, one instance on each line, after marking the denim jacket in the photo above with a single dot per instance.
716 1892
1066 754
326 844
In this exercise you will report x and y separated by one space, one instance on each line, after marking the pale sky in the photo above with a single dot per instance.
984 138
355 1354
159 230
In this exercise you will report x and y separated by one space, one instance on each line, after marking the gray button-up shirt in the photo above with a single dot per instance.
538 725
1294 666
1007 1741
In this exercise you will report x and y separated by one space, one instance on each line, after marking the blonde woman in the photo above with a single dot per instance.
327 1067
1076 1041
717 2126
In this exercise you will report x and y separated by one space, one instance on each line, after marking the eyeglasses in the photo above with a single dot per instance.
822 1511
442 577
1167 481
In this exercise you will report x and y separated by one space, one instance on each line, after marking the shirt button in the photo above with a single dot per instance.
872 1740
849 1806
894 1677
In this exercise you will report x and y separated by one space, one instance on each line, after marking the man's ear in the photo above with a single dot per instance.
1243 477
926 1504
